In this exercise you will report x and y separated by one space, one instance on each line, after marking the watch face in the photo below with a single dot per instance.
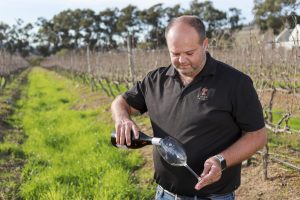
222 161
220 158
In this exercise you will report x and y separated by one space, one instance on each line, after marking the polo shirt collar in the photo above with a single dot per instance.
208 69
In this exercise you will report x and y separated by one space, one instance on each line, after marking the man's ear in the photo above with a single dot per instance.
205 43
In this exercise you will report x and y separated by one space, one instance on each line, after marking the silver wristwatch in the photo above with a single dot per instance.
222 161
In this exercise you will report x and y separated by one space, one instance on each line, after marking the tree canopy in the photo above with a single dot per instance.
276 14
109 28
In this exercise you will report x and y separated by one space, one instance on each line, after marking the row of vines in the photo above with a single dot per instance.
12 77
275 73
10 66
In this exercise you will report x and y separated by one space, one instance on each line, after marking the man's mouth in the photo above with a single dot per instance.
184 66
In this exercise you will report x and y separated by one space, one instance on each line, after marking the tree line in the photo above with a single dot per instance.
109 28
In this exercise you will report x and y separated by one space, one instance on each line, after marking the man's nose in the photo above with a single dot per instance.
182 59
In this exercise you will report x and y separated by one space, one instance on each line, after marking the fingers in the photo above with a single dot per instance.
123 131
211 174
122 135
207 167
135 131
128 133
118 127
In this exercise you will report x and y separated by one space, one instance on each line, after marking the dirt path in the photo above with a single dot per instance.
12 158
282 183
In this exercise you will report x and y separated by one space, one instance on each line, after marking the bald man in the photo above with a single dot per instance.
210 107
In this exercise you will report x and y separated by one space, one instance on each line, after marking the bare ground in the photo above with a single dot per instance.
11 159
282 183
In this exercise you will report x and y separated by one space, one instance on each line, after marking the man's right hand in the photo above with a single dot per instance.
121 113
123 131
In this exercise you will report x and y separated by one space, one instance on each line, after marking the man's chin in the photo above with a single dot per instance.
185 72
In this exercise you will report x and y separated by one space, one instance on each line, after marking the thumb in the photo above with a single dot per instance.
203 182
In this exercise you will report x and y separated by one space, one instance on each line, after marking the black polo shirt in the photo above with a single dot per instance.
206 116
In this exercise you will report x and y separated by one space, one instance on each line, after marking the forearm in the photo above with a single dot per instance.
245 147
241 150
120 109
121 113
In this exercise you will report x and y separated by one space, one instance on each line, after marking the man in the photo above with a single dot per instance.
210 107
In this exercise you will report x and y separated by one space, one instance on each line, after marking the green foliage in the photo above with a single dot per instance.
294 121
62 52
79 28
284 141
234 19
214 18
270 14
15 39
128 20
35 60
69 152
11 149
284 84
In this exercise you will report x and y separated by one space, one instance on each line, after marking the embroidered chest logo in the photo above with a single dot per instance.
203 94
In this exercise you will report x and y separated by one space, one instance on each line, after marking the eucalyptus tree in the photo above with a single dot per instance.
47 37
129 23
108 23
234 19
84 34
66 26
171 12
98 32
4 28
274 14
18 38
214 19
152 19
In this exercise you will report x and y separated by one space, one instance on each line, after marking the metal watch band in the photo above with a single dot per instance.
222 161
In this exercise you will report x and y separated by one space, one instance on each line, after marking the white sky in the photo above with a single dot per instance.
30 10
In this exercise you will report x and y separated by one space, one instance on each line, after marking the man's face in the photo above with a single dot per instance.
187 53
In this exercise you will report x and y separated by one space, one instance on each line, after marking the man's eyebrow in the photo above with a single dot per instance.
188 51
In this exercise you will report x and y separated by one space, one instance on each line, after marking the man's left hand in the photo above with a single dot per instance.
212 172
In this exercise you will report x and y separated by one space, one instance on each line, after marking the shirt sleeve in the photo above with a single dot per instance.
135 97
247 109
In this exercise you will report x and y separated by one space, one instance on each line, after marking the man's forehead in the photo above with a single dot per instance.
179 26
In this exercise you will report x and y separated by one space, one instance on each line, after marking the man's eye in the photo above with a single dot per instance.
190 53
